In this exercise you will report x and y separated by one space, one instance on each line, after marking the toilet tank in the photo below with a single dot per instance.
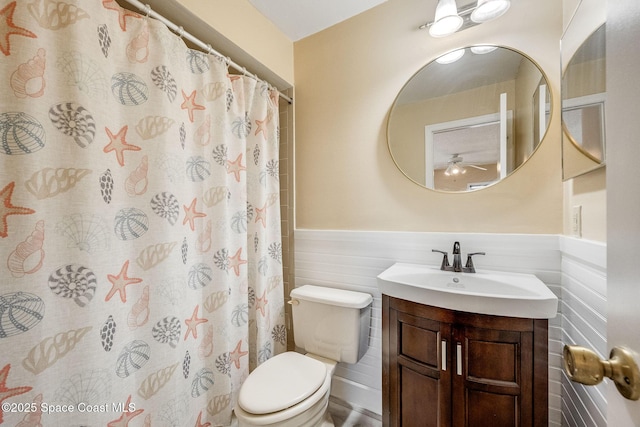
332 323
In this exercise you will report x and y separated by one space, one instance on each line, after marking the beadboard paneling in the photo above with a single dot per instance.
584 322
352 260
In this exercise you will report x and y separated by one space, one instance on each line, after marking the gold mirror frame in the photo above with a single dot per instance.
407 87
576 159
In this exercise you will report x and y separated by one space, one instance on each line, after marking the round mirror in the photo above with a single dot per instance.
469 118
583 101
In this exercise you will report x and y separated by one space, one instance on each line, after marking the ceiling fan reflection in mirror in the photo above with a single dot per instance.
457 167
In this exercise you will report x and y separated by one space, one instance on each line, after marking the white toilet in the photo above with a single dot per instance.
291 389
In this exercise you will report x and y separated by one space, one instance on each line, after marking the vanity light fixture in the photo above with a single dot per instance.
481 50
453 56
487 10
449 19
450 57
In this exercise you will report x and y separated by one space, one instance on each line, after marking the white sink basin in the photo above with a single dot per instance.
484 292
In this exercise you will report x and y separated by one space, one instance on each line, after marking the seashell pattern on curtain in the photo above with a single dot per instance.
140 243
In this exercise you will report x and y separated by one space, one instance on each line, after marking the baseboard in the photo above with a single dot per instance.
356 396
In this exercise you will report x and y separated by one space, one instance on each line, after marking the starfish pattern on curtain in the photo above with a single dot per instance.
140 255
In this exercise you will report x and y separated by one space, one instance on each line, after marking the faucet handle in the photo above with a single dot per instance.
445 259
469 268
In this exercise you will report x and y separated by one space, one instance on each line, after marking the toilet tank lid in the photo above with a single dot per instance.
332 296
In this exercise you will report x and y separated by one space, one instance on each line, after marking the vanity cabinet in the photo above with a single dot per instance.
444 368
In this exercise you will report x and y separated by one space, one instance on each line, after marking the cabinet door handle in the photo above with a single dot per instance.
459 359
443 354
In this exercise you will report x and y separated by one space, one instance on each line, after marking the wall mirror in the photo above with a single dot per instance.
583 105
469 118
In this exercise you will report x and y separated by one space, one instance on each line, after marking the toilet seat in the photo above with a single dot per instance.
282 382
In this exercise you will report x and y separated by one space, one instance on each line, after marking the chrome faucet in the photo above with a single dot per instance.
457 260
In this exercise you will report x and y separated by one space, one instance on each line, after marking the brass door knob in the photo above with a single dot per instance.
585 366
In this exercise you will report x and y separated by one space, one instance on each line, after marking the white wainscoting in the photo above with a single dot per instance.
584 322
353 259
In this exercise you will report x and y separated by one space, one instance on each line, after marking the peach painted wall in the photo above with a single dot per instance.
346 80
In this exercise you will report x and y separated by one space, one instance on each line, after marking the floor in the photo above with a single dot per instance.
344 415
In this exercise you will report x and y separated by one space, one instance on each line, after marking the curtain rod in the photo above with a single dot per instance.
146 9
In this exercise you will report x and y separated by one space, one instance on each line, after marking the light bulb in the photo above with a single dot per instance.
481 50
450 57
447 21
486 10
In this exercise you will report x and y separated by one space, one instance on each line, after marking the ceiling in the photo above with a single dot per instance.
298 19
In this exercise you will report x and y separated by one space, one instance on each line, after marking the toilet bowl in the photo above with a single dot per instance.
292 389
288 390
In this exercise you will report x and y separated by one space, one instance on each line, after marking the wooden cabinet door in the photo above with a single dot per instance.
443 368
420 373
493 378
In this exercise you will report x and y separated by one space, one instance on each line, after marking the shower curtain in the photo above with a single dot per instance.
140 244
